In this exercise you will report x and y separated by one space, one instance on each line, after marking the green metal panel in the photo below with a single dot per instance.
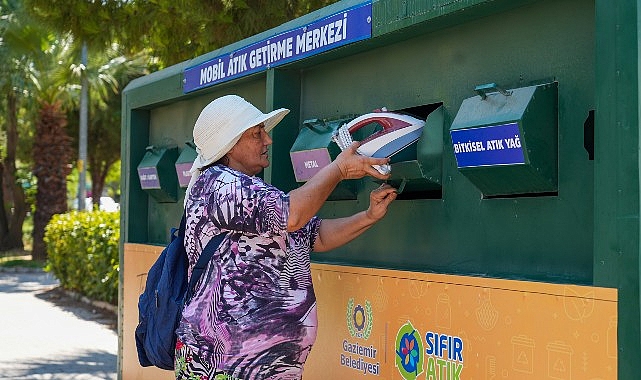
283 91
415 169
184 162
554 40
317 133
133 205
414 17
445 65
188 153
156 88
616 156
460 232
163 123
172 124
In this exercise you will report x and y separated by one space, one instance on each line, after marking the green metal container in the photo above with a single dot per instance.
505 141
184 162
157 173
314 149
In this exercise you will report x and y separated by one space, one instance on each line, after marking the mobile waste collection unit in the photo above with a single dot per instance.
512 251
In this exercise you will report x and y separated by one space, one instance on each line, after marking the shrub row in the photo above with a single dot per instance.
82 250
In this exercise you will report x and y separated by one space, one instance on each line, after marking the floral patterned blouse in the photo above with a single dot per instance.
253 314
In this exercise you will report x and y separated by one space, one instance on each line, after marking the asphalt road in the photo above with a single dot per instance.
46 334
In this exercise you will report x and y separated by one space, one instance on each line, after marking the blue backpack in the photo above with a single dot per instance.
161 303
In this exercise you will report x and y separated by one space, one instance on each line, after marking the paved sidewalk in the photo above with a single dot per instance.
45 334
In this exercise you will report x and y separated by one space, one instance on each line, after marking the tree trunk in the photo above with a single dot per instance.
4 223
52 154
14 209
97 186
98 170
14 193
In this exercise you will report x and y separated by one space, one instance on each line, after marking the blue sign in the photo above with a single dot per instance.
350 25
488 146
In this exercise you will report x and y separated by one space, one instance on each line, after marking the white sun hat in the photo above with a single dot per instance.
221 124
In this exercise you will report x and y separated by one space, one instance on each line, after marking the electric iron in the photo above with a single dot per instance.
399 131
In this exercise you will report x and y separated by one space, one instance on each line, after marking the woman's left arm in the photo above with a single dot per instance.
335 232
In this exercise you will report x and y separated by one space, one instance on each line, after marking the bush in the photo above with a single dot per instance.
82 250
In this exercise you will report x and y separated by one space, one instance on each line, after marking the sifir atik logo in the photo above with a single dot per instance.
444 356
441 358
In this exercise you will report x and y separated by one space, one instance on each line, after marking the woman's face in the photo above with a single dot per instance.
249 155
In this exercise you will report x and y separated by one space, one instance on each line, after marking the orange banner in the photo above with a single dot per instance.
387 324
403 325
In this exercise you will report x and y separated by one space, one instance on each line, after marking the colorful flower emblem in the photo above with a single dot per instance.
409 352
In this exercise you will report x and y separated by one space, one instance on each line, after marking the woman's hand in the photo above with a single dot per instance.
354 166
305 201
379 199
335 232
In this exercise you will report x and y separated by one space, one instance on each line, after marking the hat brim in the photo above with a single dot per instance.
273 118
270 120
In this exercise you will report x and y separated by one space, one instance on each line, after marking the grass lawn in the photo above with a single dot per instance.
19 258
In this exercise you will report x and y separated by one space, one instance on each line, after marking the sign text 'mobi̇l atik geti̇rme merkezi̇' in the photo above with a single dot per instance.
341 28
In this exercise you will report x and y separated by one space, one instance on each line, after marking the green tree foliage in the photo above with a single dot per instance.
175 31
41 73
19 38
181 30
90 21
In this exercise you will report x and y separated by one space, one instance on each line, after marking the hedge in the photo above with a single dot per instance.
82 250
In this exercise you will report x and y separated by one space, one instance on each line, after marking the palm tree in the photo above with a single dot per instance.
38 60
50 78
108 71
85 21
52 150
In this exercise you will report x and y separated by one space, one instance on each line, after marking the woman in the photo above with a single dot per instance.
253 314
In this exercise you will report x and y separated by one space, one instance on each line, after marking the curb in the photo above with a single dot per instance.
99 304
76 296
21 270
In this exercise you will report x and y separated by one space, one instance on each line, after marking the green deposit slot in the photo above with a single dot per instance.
184 162
505 141
156 173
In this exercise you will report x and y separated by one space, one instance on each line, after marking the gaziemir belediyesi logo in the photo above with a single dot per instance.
359 319
356 355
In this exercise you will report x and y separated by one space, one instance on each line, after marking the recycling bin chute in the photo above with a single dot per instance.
506 141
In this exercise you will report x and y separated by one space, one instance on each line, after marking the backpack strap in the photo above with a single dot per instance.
202 262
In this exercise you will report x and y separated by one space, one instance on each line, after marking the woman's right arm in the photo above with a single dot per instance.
305 201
